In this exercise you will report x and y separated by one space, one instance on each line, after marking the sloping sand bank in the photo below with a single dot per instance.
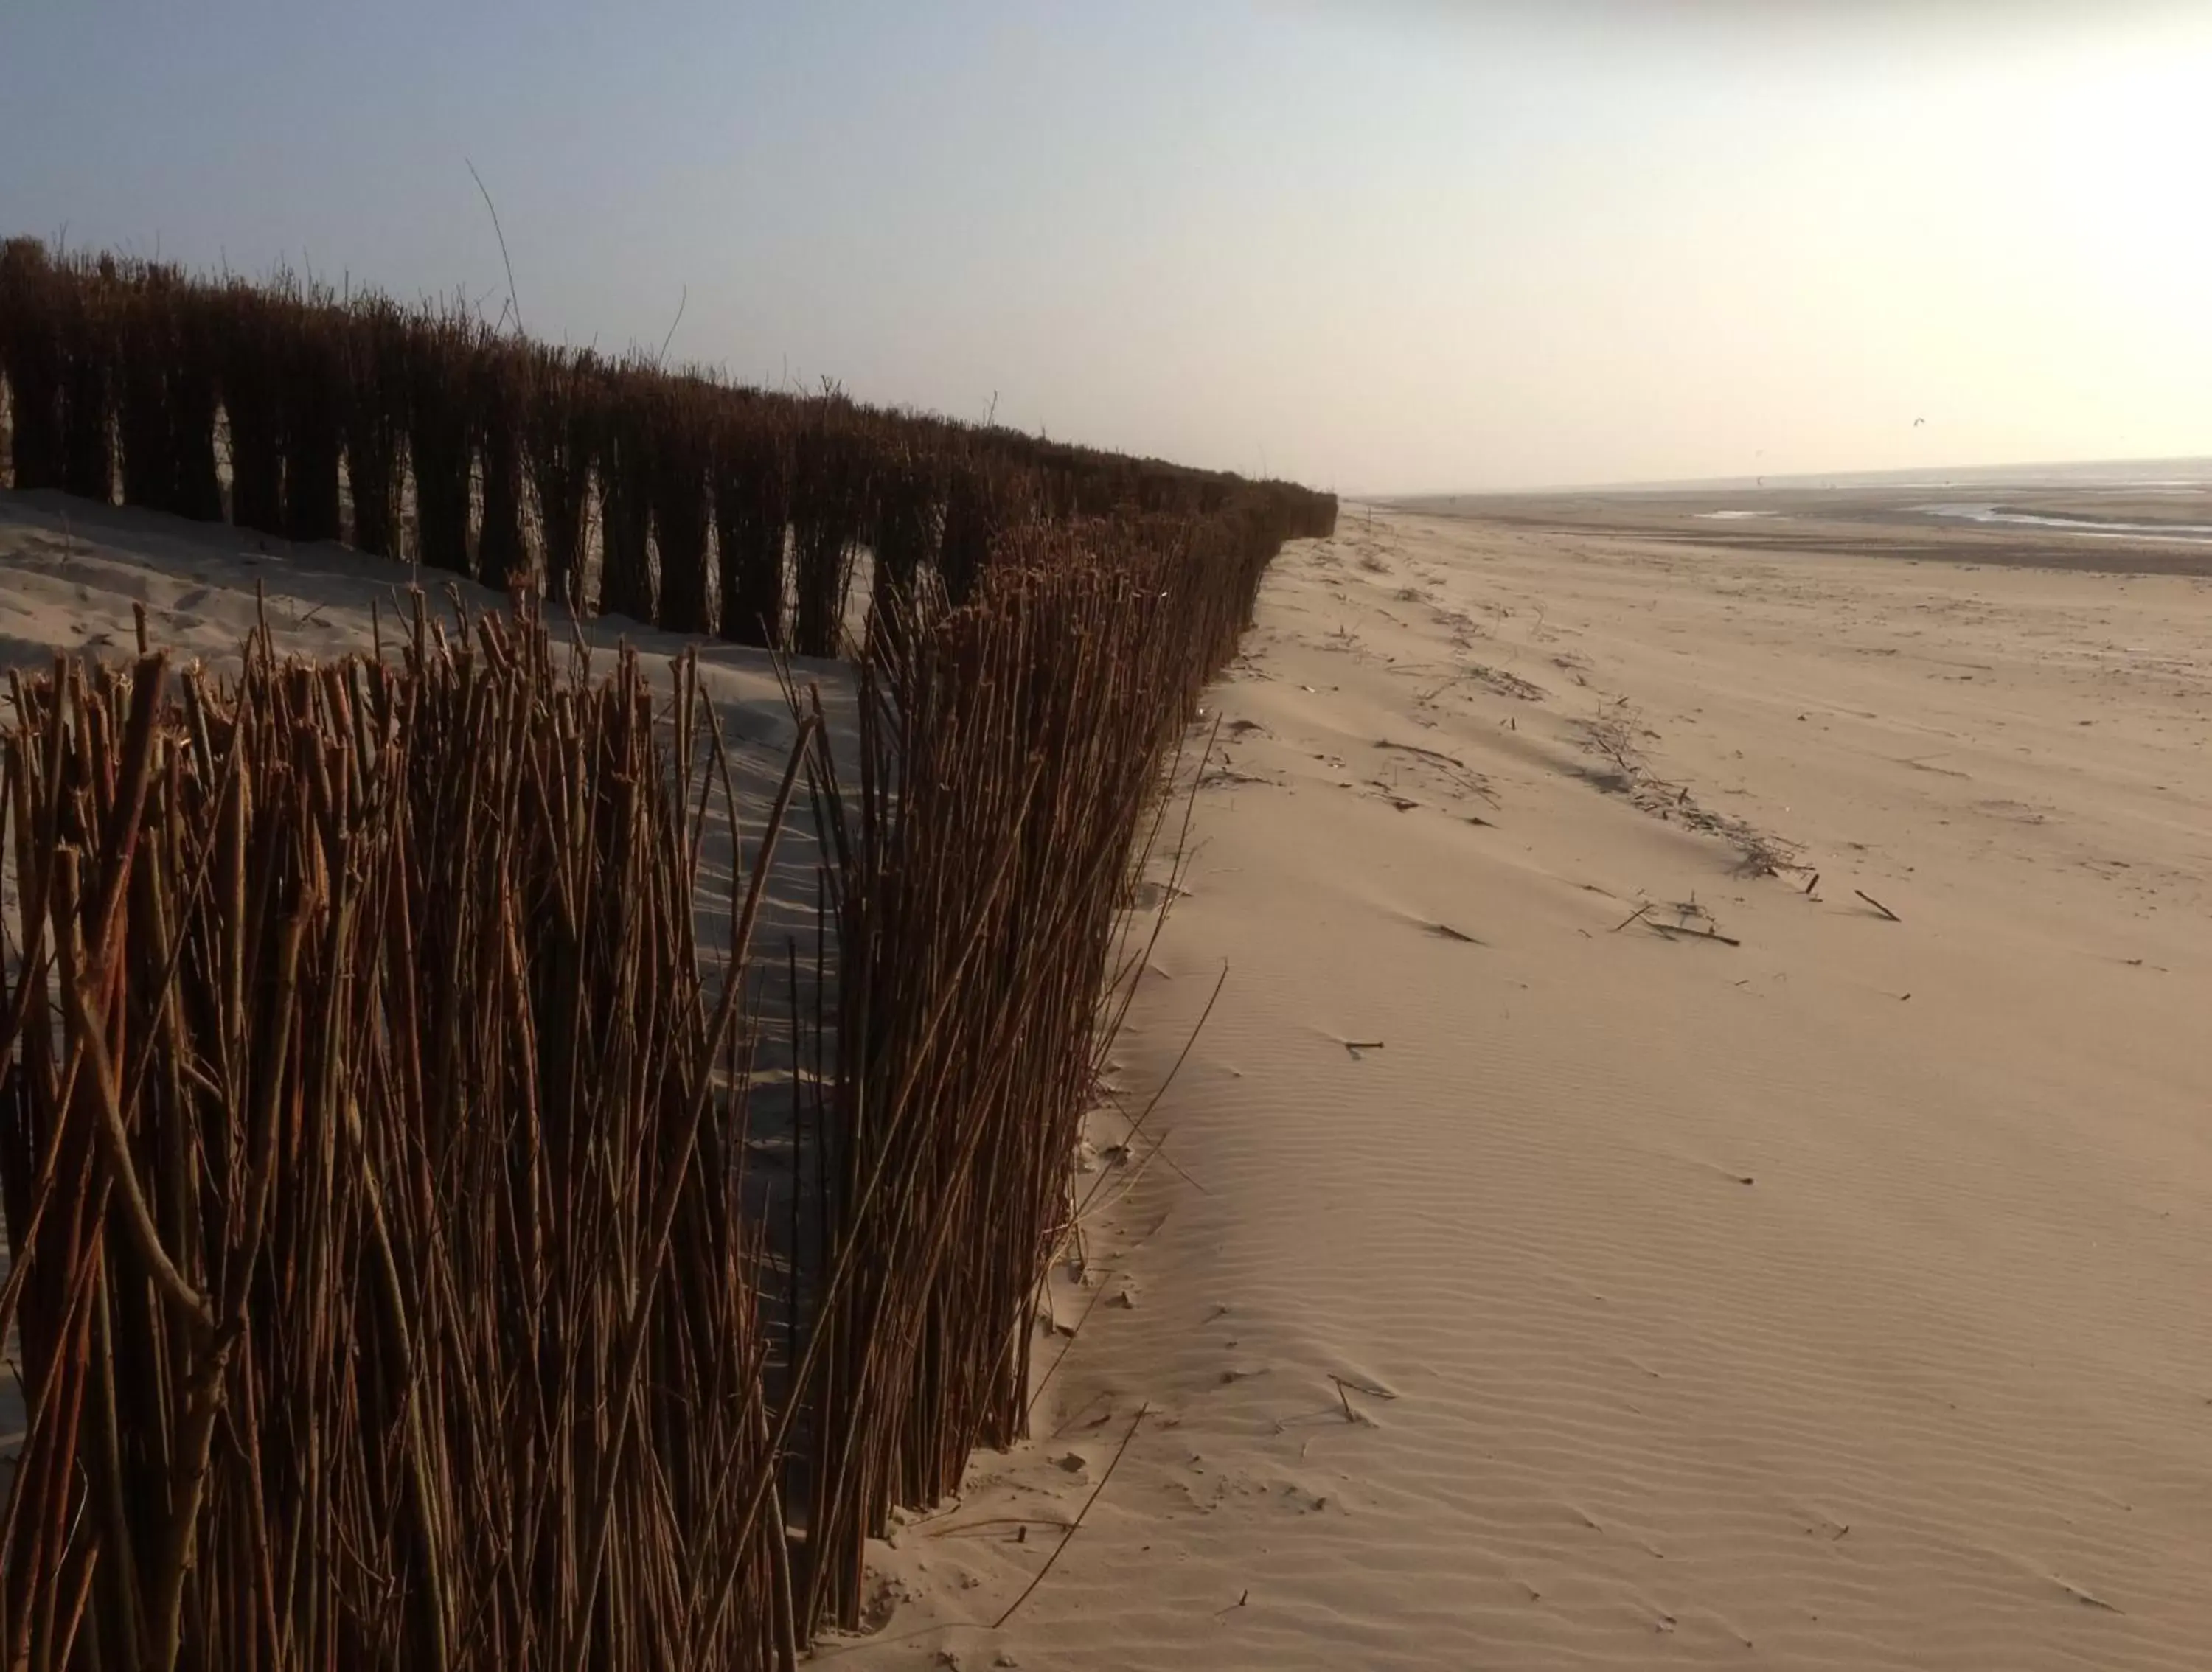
1571 1248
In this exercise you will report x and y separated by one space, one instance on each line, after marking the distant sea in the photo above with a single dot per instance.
2093 473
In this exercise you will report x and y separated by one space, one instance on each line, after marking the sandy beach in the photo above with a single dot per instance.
1572 1242
1699 1154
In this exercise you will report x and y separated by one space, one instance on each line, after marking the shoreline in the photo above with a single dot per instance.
1886 523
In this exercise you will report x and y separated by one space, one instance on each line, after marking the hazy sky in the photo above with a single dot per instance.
1379 245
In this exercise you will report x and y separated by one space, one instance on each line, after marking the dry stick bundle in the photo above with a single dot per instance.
828 506
376 392
314 340
908 513
88 319
501 372
441 428
971 524
193 386
32 296
372 1192
147 351
249 344
681 420
753 515
625 476
561 415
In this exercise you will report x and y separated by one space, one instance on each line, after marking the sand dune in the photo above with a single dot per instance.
1571 1248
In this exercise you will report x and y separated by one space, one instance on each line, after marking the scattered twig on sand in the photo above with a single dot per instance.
1469 780
1689 934
1076 1526
1224 775
1024 1522
1356 1046
1243 1598
1695 922
1813 883
1432 754
1451 933
1350 1415
1877 905
1616 735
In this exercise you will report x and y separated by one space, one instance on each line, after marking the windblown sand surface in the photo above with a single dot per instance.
1524 1284
1530 1276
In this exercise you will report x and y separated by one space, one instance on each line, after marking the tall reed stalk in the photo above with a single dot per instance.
371 1151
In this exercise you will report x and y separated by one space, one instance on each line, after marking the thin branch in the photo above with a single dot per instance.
515 306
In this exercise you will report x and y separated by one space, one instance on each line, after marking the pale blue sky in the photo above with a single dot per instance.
1384 247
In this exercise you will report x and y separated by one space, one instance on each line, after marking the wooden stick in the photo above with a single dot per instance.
1688 934
1076 1525
1877 905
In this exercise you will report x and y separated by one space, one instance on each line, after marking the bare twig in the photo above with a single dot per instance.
1076 1526
1877 905
514 306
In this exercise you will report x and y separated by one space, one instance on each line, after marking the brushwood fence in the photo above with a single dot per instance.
673 498
373 1131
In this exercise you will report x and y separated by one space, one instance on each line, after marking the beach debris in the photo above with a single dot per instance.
1877 905
1227 774
1475 780
1693 922
1448 933
1356 1046
1691 931
1345 1389
2083 1597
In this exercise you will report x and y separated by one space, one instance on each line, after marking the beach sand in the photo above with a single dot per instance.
1532 1276
1564 1245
